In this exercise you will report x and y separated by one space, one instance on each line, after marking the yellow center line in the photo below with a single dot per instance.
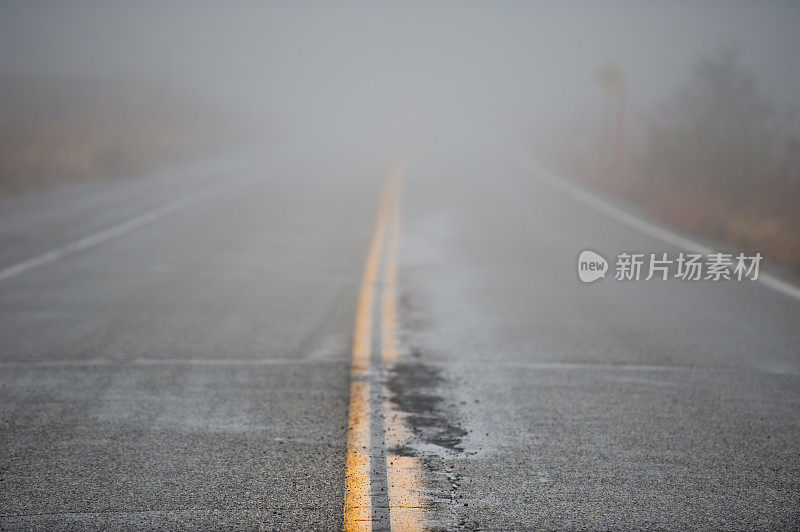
403 474
389 306
357 500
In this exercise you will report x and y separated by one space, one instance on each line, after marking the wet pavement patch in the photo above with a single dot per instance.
415 388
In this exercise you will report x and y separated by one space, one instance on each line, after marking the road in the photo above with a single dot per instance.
312 339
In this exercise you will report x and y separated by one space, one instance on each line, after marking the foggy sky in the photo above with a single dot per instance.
400 66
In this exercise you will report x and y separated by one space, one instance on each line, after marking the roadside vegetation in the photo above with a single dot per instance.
717 160
54 130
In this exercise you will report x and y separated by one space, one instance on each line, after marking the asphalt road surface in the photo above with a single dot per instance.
312 339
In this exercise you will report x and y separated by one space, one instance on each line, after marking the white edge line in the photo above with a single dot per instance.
634 222
107 234
93 362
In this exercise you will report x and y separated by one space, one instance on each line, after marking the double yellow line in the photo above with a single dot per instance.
370 453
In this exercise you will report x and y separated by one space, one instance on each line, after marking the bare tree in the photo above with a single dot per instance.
722 134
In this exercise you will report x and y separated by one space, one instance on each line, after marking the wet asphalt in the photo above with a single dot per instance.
546 403
194 372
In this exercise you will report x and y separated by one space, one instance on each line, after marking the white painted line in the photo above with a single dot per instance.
634 222
92 362
616 368
107 234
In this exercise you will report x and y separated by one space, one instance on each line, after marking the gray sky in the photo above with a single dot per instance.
400 65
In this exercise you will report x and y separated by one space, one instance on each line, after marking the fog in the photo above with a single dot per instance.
401 72
411 265
642 100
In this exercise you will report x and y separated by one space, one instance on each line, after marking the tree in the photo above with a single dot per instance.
723 135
